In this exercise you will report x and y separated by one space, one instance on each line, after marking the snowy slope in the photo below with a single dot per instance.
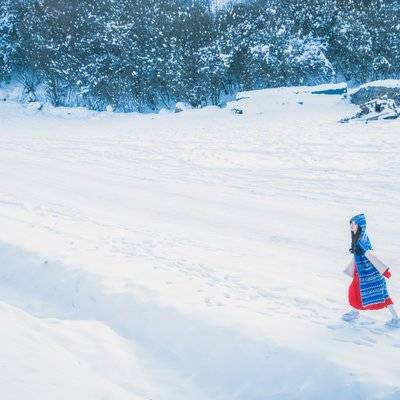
194 255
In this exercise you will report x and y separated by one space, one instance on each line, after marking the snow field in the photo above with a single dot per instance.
194 255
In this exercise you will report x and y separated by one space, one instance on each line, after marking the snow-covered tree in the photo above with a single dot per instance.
146 54
8 41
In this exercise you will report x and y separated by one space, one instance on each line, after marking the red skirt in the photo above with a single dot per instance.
355 296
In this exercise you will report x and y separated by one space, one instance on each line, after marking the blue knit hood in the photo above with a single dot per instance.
361 221
363 241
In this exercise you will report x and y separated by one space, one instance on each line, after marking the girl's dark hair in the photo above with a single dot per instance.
354 239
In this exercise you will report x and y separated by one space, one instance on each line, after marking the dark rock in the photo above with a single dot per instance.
382 108
366 94
342 90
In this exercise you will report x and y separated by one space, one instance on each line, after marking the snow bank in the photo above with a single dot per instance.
54 359
329 87
389 83
11 92
79 341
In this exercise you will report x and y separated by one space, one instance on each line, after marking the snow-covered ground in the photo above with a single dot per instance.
196 255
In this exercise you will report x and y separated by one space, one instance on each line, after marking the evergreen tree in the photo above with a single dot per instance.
8 40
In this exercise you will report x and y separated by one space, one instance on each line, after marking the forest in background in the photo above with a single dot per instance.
143 55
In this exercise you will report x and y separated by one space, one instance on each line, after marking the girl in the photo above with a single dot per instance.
368 289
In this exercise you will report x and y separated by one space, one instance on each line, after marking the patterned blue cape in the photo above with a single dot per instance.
372 283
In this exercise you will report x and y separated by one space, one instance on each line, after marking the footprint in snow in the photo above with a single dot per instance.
331 300
378 331
368 339
349 324
335 326
367 323
358 342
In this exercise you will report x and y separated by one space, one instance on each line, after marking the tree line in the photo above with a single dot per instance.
140 55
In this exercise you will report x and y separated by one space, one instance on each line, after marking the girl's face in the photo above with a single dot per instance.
353 227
